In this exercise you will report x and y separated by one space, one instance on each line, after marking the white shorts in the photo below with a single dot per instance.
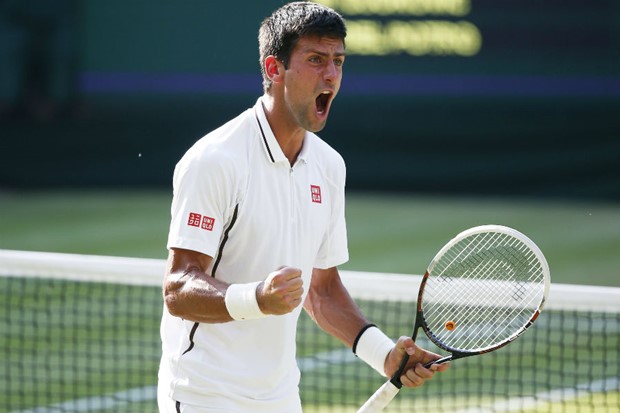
167 405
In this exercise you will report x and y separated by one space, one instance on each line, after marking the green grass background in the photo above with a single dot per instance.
387 233
63 348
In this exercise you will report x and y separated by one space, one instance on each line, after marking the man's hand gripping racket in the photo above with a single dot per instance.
482 290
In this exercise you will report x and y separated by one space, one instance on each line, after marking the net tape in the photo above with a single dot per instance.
360 284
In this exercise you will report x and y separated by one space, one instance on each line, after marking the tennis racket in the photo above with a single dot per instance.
482 290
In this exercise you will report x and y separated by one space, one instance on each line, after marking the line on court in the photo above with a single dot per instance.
326 358
143 394
95 403
552 396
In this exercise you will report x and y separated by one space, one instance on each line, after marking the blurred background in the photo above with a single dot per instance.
451 114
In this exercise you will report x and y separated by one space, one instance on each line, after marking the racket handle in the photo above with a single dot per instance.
382 397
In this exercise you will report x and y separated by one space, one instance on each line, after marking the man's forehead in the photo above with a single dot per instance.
324 44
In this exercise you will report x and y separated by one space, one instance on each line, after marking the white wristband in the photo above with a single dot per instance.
241 301
373 346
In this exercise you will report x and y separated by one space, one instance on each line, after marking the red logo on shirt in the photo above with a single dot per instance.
194 219
315 190
197 220
207 223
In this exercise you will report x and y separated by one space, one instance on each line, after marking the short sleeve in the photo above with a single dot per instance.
202 202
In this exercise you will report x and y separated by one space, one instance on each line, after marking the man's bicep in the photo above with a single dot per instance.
182 268
182 260
189 290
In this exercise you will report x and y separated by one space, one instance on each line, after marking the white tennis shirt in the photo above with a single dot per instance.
238 200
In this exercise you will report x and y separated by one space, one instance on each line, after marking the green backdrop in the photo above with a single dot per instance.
534 111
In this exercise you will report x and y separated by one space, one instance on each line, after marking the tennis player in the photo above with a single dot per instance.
257 232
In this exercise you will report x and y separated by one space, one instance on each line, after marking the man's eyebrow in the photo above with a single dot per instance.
321 53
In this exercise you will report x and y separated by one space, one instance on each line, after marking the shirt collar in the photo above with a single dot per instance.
270 143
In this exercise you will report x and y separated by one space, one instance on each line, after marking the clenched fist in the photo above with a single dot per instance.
281 291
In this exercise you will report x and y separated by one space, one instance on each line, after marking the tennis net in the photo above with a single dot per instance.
81 334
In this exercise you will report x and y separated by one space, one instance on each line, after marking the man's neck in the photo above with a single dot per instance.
289 135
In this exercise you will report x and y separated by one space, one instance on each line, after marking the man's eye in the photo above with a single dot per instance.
338 62
315 59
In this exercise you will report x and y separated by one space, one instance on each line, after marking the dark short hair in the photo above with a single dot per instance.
279 33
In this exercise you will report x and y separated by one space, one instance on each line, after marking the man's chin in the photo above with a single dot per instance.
317 126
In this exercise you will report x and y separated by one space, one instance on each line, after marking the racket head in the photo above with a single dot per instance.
482 290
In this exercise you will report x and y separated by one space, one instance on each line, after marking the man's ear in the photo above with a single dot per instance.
274 69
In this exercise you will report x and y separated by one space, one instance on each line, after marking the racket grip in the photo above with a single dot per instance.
382 397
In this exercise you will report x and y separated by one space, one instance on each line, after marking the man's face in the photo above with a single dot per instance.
312 80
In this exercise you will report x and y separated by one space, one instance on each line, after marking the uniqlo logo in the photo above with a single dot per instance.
197 220
207 223
315 190
194 219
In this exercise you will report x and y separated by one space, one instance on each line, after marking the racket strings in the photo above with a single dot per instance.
493 319
495 266
494 269
471 335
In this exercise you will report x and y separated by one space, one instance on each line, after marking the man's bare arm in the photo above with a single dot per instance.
332 308
193 294
190 292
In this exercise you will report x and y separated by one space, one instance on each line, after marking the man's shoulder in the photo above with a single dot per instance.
231 134
237 127
225 145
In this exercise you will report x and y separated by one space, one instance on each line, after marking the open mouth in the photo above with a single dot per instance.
322 102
